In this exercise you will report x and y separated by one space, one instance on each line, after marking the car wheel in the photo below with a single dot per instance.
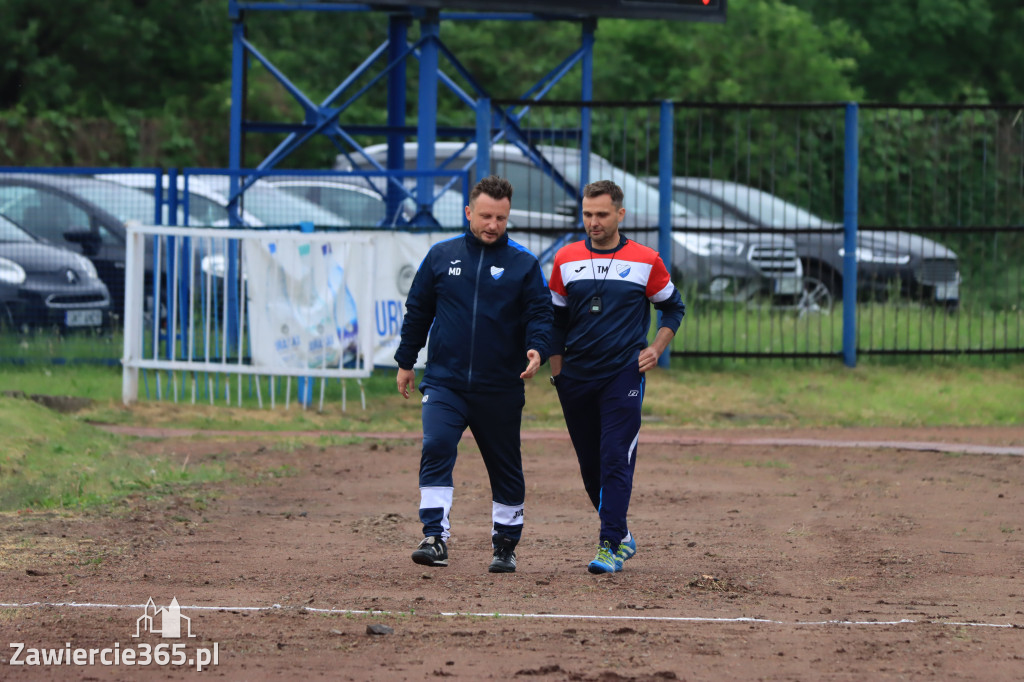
822 287
815 297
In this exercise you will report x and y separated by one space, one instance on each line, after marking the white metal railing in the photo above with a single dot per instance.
206 305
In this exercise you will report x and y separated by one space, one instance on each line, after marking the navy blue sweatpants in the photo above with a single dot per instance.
603 418
494 419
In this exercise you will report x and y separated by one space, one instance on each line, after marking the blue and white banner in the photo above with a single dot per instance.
399 255
305 294
302 313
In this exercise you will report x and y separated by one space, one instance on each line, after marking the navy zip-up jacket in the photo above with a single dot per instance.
484 306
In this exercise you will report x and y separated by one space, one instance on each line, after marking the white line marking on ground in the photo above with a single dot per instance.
538 616
648 437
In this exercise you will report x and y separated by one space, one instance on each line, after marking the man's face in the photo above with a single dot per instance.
601 220
488 217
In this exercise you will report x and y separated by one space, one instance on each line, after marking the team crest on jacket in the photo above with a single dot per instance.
497 272
622 269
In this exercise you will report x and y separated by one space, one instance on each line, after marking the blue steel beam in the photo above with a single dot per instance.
235 151
587 95
308 6
323 119
398 30
325 123
666 163
430 30
483 132
850 172
316 113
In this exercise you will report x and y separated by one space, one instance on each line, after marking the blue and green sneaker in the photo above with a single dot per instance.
606 560
626 550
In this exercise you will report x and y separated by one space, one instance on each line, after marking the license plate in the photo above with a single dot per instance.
789 285
83 318
947 291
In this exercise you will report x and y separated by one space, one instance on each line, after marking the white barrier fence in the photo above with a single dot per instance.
247 303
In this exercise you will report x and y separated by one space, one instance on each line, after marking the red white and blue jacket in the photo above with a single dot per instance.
623 282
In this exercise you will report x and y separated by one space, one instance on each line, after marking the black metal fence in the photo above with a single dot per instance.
759 212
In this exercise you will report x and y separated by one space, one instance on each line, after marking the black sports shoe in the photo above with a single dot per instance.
431 552
504 554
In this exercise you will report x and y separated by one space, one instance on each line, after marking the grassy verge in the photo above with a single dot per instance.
691 394
54 461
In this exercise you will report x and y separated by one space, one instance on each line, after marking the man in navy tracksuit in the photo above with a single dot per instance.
483 299
602 289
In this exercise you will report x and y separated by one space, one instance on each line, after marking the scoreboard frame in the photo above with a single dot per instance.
677 10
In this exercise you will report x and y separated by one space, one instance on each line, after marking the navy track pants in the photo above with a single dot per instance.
603 418
494 420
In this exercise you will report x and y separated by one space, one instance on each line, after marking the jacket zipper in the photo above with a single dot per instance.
472 327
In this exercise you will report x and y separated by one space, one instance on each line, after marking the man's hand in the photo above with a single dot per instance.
406 380
649 356
534 364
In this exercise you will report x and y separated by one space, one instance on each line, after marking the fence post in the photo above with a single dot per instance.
398 30
426 124
665 172
306 383
587 95
483 137
850 237
134 282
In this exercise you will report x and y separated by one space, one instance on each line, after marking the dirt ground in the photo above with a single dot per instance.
762 556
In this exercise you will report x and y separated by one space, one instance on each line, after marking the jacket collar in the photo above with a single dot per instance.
590 247
474 241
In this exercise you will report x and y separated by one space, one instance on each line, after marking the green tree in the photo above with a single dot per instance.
82 57
934 50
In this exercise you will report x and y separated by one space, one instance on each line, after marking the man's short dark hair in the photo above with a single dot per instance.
493 186
596 189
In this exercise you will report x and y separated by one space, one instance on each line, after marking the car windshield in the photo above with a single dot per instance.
127 204
9 232
639 197
274 207
765 209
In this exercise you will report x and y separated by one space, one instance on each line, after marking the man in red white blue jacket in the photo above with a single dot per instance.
602 289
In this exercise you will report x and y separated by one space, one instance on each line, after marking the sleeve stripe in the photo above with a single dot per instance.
558 299
664 293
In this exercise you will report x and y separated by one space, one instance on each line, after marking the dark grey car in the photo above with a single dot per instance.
888 262
82 214
42 286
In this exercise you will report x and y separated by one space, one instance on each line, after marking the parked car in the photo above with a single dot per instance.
888 261
82 214
722 266
363 204
261 205
45 286
206 205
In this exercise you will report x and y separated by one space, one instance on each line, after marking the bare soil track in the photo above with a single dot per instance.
762 556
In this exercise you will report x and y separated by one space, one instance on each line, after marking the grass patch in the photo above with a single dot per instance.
54 461
692 394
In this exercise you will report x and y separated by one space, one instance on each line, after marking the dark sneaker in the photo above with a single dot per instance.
431 552
606 560
504 560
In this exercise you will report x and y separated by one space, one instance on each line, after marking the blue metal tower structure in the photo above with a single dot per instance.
492 122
